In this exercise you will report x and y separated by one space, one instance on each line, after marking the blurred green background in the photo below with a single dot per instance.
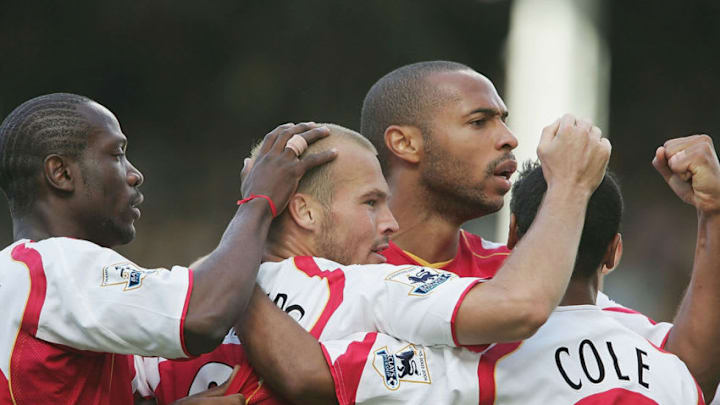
195 84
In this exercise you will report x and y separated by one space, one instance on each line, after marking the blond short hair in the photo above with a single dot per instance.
317 182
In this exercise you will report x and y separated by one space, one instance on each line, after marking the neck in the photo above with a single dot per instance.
424 232
44 221
581 291
291 243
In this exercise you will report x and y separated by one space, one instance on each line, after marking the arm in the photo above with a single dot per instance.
691 169
289 359
214 307
531 283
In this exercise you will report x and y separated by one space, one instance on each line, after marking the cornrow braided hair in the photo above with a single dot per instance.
39 127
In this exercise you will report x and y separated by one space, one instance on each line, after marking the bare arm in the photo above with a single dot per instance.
285 355
215 306
690 167
531 283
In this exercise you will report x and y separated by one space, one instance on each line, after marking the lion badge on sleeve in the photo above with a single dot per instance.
126 274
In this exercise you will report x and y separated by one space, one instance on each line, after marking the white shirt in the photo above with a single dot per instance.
331 301
583 353
69 306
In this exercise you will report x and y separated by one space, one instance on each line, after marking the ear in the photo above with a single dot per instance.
512 232
305 211
58 172
612 255
405 142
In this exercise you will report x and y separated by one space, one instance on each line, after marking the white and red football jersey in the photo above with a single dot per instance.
477 257
331 301
73 312
582 355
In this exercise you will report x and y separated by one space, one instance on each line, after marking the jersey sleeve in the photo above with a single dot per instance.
414 303
97 300
377 368
656 332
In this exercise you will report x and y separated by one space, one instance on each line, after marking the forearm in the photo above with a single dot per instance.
223 282
289 359
696 329
532 281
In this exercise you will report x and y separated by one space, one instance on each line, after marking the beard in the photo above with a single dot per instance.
450 191
328 243
121 234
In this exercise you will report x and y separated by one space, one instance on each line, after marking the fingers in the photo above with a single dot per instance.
228 382
574 153
235 399
567 122
317 159
271 137
298 129
315 134
676 145
277 139
549 131
693 158
247 166
661 165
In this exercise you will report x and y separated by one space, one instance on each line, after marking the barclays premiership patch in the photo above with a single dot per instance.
423 280
409 364
126 274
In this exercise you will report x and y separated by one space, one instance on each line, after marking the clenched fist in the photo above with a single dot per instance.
690 167
573 154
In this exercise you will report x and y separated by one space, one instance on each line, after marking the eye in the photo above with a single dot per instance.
371 202
479 122
119 155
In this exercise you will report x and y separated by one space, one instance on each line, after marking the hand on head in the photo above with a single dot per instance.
573 153
690 167
277 169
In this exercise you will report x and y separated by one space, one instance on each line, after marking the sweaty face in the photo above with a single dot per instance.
358 223
467 161
107 196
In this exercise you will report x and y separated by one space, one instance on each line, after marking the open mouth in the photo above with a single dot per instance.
506 169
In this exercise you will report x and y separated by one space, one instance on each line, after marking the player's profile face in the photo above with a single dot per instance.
467 152
108 195
358 223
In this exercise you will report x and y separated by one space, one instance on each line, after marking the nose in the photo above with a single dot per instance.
506 140
387 224
134 176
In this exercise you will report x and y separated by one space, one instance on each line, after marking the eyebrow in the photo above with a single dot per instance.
489 111
375 193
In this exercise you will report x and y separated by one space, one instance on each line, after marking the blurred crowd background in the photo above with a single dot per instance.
195 85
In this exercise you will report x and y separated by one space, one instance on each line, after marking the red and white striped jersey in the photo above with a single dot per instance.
73 312
331 301
582 355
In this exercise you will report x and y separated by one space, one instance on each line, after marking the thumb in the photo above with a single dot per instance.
228 387
660 164
235 399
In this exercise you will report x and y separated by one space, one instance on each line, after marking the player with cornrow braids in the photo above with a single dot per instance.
73 308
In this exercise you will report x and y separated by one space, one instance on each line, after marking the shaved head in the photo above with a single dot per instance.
403 97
